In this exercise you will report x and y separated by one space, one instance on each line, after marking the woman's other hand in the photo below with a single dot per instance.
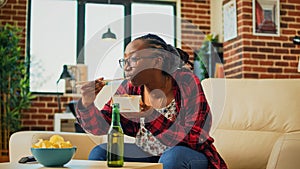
145 112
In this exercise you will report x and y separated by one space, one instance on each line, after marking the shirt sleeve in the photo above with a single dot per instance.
193 121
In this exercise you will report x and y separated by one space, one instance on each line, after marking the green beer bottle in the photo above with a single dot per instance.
115 140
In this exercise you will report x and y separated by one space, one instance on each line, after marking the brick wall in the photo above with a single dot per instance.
250 56
15 13
41 113
195 23
246 56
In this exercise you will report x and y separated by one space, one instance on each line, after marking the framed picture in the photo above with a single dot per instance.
266 17
230 20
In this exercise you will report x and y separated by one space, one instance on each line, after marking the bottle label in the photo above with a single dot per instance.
115 149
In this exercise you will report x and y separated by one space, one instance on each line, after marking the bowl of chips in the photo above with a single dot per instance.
55 152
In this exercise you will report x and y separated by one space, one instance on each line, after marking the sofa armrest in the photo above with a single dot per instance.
21 142
285 152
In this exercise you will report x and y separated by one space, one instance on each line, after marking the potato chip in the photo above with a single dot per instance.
55 141
38 144
66 145
46 144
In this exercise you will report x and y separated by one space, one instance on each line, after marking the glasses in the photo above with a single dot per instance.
132 61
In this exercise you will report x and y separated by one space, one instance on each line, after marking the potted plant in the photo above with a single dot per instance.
14 78
202 56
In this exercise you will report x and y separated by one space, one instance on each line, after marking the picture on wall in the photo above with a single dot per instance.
266 20
230 20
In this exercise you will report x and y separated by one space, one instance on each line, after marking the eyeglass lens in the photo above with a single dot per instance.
130 61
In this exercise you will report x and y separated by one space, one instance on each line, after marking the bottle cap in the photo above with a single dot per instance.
116 105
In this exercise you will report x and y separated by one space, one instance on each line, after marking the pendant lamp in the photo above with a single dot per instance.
109 35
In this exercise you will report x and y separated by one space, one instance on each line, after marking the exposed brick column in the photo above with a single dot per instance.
195 16
251 56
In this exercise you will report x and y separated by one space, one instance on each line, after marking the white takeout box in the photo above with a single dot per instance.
129 103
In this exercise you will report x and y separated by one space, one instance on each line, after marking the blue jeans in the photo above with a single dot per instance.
178 157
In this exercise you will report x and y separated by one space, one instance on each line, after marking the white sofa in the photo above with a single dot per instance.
256 124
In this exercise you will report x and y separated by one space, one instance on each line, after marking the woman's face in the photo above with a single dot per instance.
139 63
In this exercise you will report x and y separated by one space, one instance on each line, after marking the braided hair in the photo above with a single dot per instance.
174 58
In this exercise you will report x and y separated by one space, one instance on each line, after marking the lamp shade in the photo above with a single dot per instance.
65 74
109 35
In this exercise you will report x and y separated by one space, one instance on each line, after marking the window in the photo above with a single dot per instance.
72 34
102 56
52 42
153 18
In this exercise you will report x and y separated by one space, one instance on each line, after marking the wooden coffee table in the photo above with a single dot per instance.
82 164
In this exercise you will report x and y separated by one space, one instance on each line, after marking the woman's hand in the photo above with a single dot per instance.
89 91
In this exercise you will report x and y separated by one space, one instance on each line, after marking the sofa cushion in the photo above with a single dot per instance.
245 149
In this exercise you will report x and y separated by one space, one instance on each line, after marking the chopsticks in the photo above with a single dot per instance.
106 82
110 80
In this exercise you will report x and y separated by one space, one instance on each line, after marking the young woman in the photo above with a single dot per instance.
173 125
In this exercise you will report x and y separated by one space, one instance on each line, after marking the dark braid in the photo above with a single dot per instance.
184 57
154 41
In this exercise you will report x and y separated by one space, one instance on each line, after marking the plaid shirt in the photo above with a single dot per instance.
191 127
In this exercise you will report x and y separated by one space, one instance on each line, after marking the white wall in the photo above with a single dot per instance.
216 18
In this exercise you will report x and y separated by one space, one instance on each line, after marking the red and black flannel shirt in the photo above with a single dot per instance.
191 127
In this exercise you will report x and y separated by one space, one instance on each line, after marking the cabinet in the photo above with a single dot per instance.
58 117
